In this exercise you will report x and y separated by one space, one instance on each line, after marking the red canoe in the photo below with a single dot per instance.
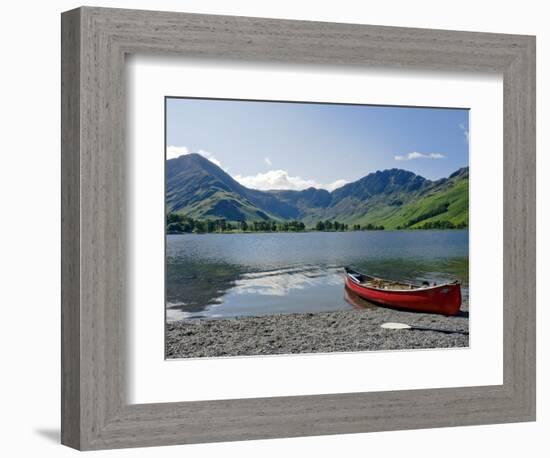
445 298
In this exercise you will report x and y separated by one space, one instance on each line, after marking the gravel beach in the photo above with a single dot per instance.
324 332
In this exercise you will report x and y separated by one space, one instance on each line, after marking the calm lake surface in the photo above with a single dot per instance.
228 275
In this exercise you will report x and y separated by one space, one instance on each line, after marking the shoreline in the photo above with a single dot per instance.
323 332
314 231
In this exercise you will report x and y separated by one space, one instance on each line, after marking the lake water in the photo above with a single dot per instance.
228 275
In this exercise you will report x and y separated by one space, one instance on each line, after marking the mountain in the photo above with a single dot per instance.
200 189
419 202
394 198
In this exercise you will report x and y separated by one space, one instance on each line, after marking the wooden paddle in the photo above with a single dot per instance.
397 326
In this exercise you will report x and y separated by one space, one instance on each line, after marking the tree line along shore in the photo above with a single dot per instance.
181 224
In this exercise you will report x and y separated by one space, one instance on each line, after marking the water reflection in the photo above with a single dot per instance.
289 290
282 282
223 275
357 302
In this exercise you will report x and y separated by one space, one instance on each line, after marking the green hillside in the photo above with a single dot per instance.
394 199
445 202
227 205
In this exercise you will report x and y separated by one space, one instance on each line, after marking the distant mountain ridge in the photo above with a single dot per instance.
394 198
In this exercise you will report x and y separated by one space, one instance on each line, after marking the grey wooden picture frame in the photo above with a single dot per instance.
95 411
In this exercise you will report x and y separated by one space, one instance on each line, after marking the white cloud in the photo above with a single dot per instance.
208 155
417 155
176 151
173 152
276 179
465 131
336 184
280 179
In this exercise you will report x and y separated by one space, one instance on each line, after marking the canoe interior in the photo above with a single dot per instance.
389 285
386 284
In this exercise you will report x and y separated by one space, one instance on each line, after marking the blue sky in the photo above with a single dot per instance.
267 145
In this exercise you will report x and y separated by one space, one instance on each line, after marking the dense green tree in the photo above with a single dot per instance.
178 224
174 228
200 227
172 218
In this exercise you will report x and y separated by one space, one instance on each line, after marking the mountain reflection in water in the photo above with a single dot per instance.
228 275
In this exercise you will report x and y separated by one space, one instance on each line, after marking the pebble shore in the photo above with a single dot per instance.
325 332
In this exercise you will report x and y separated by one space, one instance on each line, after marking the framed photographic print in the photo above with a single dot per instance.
286 228
257 261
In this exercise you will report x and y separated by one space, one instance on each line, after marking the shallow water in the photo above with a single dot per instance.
228 275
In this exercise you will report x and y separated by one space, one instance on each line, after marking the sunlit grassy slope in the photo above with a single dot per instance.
395 198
